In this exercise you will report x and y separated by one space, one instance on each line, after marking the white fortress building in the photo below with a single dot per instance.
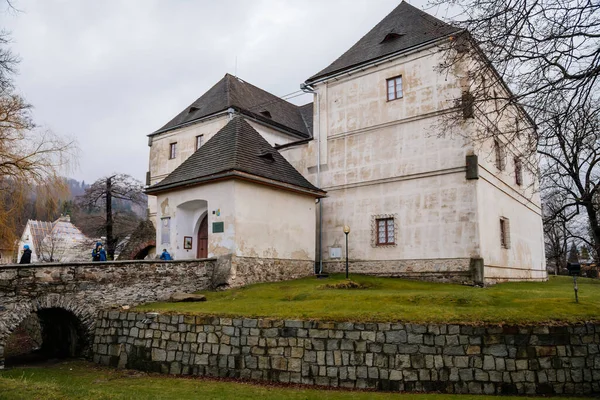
269 186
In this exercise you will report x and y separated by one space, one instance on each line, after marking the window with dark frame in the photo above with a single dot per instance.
172 150
394 88
199 141
500 157
518 171
504 233
385 231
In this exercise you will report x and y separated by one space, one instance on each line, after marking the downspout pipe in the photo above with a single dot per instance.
309 89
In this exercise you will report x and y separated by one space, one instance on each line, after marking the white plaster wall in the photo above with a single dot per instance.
386 157
435 218
218 196
160 164
525 259
273 136
274 223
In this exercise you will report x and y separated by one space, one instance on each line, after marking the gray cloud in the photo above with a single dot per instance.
110 72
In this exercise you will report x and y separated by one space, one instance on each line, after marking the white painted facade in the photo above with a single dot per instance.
258 221
375 159
388 158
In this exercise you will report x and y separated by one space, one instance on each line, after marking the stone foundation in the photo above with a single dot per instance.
392 357
455 270
247 270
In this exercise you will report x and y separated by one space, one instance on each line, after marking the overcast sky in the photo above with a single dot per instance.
108 73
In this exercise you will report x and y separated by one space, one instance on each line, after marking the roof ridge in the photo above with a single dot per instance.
418 28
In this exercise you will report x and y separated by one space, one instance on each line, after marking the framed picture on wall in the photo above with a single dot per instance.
187 242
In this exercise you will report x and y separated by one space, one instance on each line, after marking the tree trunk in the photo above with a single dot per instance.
110 245
594 228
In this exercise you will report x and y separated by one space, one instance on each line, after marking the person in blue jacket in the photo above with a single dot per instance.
26 257
165 255
99 254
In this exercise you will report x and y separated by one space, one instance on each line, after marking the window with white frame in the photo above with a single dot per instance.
394 88
199 141
172 151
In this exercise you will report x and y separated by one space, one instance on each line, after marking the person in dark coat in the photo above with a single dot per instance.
165 255
99 254
26 257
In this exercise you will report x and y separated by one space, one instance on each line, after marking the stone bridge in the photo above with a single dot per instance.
67 297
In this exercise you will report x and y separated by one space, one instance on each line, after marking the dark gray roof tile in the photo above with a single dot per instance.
247 99
237 147
405 27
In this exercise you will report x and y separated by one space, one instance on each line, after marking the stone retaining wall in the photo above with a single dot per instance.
394 357
454 270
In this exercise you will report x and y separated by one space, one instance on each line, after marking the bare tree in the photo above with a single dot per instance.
104 194
529 75
570 145
30 157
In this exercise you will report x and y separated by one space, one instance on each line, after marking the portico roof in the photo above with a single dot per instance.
237 150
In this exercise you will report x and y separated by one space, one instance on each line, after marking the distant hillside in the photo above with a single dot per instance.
76 188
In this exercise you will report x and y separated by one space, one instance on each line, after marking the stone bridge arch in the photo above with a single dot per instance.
84 314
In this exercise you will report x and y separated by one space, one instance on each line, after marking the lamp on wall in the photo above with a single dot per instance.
346 232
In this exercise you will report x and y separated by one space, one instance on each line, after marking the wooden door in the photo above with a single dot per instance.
203 238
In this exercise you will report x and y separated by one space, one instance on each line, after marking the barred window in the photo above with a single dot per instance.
518 171
504 233
385 231
500 155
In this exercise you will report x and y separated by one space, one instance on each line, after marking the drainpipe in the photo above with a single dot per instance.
308 89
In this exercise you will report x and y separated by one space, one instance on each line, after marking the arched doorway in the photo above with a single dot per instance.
49 333
203 238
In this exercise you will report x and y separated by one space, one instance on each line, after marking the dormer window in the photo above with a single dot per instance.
390 37
265 113
193 109
267 156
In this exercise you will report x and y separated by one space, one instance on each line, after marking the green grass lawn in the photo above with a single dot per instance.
390 299
81 380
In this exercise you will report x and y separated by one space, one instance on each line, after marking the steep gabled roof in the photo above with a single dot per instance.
246 99
236 148
405 27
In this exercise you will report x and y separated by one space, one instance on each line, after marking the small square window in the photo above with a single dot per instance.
385 231
172 150
518 171
504 233
394 88
199 141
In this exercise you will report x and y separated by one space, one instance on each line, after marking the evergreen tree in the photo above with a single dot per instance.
573 254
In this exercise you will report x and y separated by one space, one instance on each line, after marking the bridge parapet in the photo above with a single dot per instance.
86 288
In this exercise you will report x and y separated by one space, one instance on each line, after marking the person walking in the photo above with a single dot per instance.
99 254
165 255
26 257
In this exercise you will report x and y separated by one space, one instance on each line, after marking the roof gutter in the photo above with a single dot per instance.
233 174
378 61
